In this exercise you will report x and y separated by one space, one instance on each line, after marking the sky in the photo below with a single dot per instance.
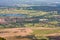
9 2
6 1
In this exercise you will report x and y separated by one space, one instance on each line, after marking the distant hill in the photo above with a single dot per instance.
43 5
43 8
46 8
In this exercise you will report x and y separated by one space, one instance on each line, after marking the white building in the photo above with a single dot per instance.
43 19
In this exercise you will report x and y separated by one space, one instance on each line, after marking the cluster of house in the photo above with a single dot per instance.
7 20
57 17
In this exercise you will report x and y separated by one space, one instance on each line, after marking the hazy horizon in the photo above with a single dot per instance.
12 2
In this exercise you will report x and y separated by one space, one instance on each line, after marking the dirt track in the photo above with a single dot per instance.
15 32
43 28
23 31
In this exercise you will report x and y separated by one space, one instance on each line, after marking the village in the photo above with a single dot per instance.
7 20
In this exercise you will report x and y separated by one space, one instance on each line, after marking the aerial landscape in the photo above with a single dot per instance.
30 20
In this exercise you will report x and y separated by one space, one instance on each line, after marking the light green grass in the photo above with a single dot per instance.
43 32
